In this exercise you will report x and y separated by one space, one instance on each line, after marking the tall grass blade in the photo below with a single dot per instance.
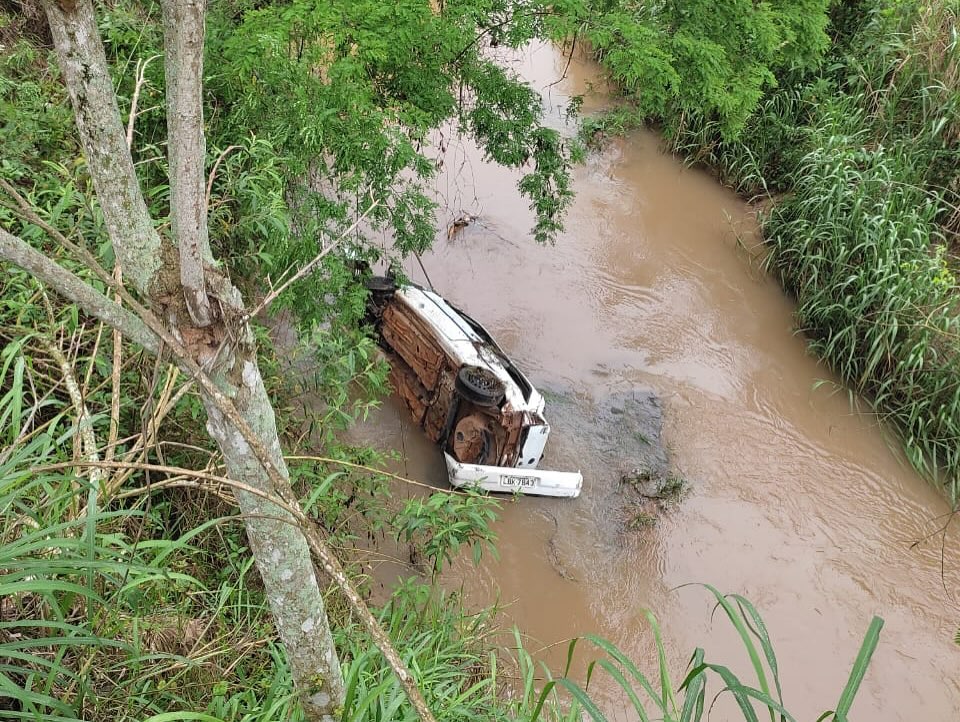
694 689
744 693
759 629
859 670
542 699
739 624
627 664
583 699
627 688
666 685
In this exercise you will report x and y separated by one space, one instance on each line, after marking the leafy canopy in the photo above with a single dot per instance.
677 58
348 92
332 105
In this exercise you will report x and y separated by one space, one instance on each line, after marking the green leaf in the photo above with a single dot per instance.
860 665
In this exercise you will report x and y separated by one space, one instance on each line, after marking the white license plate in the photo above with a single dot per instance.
521 481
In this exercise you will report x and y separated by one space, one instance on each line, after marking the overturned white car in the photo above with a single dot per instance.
465 393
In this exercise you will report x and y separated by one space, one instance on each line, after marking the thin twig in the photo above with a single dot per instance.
272 296
424 269
486 31
177 471
91 359
141 69
563 75
213 172
177 482
138 451
283 499
371 470
115 376
86 441
23 210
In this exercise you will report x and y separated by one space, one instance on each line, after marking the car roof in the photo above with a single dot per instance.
469 343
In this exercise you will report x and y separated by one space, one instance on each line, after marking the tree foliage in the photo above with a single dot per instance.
344 95
862 155
678 59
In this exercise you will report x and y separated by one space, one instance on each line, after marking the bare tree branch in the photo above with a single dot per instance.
309 267
115 376
183 34
213 171
177 472
377 472
84 66
86 441
25 211
57 278
134 102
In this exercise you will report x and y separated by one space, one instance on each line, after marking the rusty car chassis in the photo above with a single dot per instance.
464 392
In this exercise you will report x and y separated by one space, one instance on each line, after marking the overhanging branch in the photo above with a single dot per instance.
20 253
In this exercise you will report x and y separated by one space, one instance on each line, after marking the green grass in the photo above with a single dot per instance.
690 698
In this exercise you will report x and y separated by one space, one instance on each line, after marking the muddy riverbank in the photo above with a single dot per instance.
796 501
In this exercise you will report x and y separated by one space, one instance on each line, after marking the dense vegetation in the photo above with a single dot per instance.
851 139
127 589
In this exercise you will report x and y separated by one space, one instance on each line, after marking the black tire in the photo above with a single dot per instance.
479 386
382 289
380 284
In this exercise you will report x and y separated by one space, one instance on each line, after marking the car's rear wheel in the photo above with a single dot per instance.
382 289
380 284
479 386
473 441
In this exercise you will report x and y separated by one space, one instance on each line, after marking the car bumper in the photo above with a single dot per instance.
506 480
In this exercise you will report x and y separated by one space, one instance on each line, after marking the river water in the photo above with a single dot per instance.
797 502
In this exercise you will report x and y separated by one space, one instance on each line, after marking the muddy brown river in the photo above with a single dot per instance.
797 502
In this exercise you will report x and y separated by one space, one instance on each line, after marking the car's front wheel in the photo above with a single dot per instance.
479 386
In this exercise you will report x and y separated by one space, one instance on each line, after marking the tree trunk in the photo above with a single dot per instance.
171 281
183 34
282 554
87 77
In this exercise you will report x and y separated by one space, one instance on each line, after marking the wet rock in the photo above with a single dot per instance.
605 436
629 428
